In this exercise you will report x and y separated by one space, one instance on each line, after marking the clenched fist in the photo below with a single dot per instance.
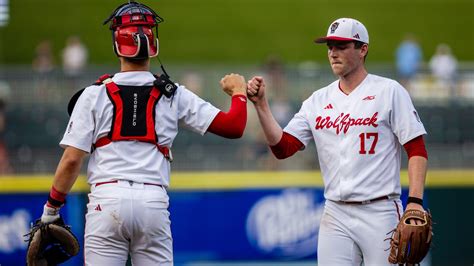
256 89
234 84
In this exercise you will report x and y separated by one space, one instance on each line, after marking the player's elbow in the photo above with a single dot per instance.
235 136
236 132
280 155
286 147
71 162
72 158
229 126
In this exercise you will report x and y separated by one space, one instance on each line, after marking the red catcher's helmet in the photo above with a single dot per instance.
132 26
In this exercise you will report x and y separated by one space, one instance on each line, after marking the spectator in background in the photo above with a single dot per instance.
409 57
443 66
74 57
194 81
273 70
43 63
43 67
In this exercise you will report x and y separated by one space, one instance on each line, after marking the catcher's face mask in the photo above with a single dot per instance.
132 30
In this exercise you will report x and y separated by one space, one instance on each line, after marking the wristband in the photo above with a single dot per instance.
415 200
56 199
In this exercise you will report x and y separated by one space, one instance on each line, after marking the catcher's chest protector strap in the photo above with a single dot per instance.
133 114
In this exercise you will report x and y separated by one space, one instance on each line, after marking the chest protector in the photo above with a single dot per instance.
133 114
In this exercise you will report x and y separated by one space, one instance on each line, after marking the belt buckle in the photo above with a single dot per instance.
365 202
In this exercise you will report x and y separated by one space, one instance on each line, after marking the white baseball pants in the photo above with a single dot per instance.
354 234
128 218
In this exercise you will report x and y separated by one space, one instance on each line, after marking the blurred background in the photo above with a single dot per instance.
51 49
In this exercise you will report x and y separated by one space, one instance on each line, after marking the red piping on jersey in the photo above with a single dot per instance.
398 210
231 125
416 147
287 146
339 86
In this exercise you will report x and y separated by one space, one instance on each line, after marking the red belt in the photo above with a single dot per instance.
116 181
365 201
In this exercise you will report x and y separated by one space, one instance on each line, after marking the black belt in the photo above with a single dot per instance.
116 181
365 201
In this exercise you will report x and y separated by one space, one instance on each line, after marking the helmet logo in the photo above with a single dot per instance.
136 17
334 27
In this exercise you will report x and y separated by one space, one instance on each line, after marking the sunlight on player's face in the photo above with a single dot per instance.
344 58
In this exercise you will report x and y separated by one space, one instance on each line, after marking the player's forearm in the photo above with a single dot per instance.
68 169
270 126
231 124
417 166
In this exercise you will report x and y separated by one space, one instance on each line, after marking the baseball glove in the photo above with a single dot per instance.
50 243
410 242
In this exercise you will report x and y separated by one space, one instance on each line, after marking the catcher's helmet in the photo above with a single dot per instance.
132 26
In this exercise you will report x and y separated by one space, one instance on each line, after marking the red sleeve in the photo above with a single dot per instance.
231 125
416 147
287 146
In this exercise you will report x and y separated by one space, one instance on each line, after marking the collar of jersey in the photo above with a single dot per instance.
340 94
134 78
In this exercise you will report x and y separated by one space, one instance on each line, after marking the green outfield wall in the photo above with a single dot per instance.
241 31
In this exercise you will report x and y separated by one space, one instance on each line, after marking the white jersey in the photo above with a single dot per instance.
358 136
133 160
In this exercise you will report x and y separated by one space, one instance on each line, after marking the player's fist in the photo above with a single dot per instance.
234 84
256 88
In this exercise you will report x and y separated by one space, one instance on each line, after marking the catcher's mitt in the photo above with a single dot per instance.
50 243
410 242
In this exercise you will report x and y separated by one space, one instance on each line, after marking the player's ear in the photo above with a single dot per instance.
364 50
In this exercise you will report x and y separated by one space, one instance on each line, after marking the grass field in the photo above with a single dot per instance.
241 31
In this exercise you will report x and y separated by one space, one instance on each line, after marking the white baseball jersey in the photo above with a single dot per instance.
133 160
358 136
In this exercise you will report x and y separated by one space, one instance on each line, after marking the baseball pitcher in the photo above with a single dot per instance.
359 124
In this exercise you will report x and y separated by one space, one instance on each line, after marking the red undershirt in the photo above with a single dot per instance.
289 145
231 125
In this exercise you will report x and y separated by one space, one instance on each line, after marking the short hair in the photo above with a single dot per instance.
358 45
141 61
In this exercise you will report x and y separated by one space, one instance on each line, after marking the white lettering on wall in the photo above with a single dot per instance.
12 229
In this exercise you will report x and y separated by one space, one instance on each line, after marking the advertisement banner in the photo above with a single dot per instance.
19 211
264 224
258 224
248 225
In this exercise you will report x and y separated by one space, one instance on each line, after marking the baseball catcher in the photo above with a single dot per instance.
411 239
50 243
127 128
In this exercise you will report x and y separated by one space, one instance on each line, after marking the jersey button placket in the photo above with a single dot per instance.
344 169
346 147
